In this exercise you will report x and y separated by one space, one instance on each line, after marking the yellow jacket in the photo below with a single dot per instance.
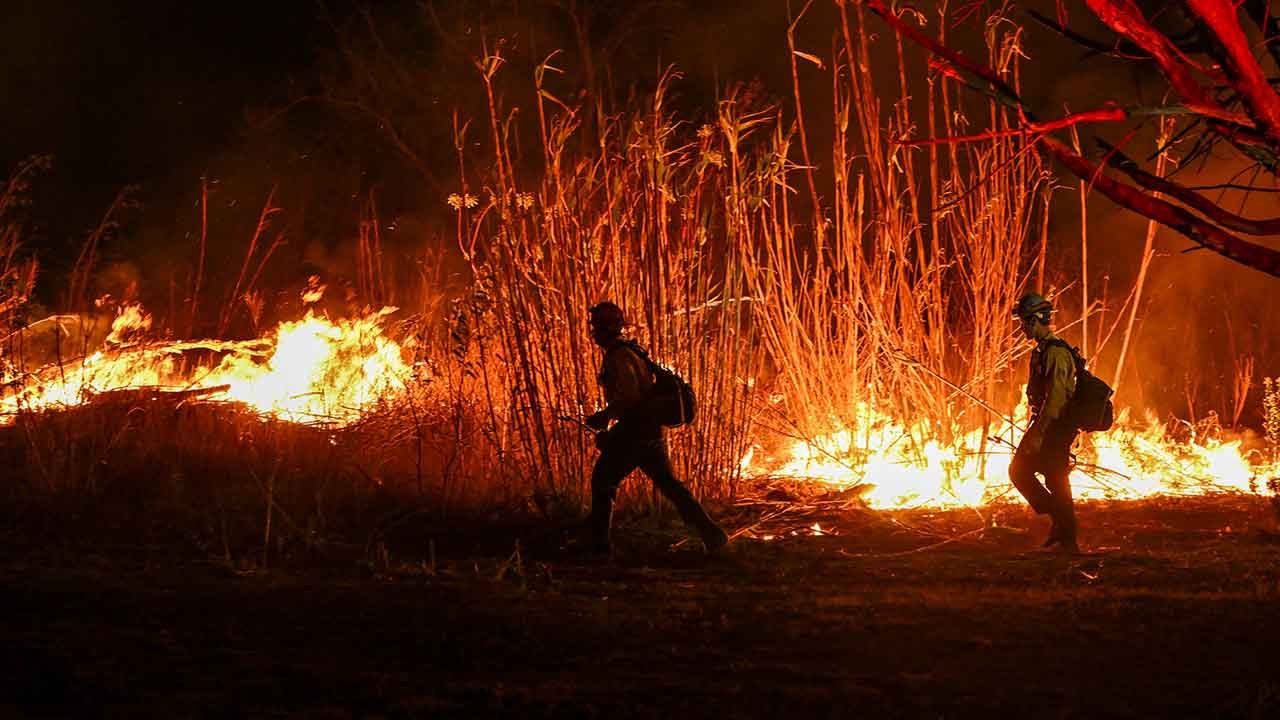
1058 368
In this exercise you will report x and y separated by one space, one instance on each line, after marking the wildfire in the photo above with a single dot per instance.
313 369
895 465
320 370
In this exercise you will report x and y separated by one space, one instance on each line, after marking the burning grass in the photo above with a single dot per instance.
854 335
310 370
888 465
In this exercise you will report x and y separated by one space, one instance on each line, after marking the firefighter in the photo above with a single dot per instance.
1046 447
634 441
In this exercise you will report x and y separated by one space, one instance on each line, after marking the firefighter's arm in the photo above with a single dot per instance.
1060 372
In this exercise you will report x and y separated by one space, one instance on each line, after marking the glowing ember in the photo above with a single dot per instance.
305 370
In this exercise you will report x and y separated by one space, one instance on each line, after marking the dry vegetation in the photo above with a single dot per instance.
17 273
418 555
787 303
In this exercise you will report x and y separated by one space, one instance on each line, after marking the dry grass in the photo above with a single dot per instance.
218 479
17 270
787 295
861 292
858 292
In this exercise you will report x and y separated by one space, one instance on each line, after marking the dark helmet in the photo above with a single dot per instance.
607 316
1033 304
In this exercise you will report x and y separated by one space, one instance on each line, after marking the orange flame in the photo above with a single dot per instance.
332 371
313 369
895 464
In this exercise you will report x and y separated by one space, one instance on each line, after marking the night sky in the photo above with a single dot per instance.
138 91
150 93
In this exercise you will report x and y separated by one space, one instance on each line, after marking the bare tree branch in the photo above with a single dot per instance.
1187 196
1242 67
1124 18
1171 216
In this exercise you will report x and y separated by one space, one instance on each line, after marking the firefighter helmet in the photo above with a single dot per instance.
607 316
1033 304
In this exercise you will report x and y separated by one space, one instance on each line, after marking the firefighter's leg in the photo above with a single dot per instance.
1022 473
616 461
656 463
1057 454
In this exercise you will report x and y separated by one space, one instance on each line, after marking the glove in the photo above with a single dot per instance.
597 420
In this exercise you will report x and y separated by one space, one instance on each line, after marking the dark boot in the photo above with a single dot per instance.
1064 521
714 539
598 524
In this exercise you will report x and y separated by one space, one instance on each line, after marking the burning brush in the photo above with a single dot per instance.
309 370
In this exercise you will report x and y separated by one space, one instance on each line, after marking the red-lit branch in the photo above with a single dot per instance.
1124 17
1188 197
1107 114
1242 67
1113 114
1165 213
1194 97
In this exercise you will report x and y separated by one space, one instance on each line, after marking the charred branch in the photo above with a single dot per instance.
1122 49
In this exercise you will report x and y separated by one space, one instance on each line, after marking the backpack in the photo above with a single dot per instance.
1089 408
671 400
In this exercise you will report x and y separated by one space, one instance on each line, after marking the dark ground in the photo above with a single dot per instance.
1174 612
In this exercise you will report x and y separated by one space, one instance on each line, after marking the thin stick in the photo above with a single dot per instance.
204 236
1147 253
